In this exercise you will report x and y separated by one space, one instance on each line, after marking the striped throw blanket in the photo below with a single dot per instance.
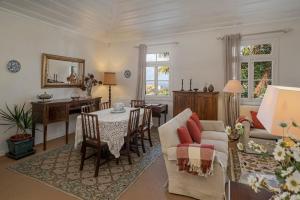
196 159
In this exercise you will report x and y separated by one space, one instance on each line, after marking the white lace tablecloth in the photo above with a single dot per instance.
113 128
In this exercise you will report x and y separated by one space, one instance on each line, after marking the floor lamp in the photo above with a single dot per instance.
109 79
232 107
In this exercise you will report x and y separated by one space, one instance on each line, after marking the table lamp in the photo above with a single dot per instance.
109 79
233 87
280 104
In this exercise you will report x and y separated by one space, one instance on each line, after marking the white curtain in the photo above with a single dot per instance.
232 71
140 92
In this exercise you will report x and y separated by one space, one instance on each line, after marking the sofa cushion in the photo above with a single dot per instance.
263 134
196 119
256 122
168 131
214 135
194 131
221 146
184 135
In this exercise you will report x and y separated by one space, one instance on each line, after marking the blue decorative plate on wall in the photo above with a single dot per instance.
13 66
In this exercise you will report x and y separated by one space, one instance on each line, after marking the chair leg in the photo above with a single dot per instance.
136 145
142 140
83 151
128 152
98 162
149 137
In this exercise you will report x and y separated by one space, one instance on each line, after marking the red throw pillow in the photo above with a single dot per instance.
194 131
256 122
184 135
196 119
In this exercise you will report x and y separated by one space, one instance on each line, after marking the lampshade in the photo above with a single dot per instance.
280 104
233 86
109 78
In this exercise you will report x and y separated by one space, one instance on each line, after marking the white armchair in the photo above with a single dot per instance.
209 188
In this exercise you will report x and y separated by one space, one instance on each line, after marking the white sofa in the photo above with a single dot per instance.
209 188
254 132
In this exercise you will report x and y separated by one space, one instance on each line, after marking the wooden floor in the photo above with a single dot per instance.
149 186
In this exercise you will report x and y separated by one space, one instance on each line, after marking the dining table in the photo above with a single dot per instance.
113 128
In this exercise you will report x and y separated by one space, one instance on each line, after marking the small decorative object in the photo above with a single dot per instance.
20 144
196 89
45 97
118 108
13 66
288 173
210 88
89 82
75 98
235 133
190 85
127 74
205 88
182 85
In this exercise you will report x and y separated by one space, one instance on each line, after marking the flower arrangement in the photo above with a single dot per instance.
258 148
89 82
238 130
288 175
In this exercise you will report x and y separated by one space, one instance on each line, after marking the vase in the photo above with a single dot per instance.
205 89
211 88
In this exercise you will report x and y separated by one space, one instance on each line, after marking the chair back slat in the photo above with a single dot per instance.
104 105
88 108
133 123
147 117
137 103
90 127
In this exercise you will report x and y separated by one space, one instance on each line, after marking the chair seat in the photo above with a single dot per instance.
94 143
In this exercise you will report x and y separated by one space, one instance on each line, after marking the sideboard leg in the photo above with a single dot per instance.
45 137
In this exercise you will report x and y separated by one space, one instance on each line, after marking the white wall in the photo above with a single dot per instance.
200 56
25 39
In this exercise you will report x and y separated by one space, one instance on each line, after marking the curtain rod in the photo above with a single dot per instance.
261 33
159 44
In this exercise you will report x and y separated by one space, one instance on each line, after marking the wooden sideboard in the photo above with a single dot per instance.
205 104
56 111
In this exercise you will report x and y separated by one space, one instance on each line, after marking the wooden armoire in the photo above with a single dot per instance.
205 104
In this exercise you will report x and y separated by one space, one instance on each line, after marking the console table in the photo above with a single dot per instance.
158 110
56 111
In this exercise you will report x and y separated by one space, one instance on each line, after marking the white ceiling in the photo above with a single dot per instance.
124 19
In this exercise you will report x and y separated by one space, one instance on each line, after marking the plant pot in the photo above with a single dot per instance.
20 148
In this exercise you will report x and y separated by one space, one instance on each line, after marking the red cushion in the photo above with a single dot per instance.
184 135
256 122
194 131
196 119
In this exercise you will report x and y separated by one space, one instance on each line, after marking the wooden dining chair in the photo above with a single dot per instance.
146 127
131 139
91 138
137 103
88 108
104 105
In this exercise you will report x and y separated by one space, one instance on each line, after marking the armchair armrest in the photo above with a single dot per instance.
213 125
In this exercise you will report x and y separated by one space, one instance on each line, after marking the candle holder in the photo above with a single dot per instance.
182 85
190 85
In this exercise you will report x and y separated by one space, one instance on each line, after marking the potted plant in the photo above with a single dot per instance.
20 144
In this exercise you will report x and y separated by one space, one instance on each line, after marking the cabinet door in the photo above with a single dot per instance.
206 106
182 101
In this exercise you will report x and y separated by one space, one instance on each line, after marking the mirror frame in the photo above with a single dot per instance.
46 57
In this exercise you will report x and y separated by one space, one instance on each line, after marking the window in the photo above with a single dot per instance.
158 74
257 69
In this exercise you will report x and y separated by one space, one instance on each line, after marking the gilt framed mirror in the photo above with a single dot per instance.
62 71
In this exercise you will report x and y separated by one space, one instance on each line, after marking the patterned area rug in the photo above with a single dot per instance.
60 168
243 164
